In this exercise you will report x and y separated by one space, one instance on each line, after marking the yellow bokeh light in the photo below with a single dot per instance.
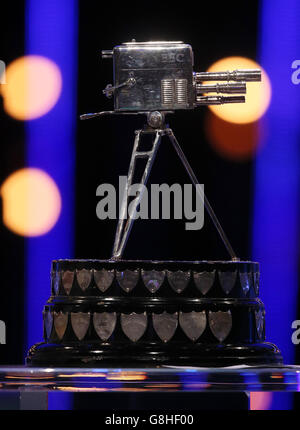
31 202
258 95
33 86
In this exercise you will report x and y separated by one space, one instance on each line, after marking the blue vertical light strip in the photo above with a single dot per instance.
276 177
51 31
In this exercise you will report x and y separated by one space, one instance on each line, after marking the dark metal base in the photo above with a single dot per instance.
91 355
153 313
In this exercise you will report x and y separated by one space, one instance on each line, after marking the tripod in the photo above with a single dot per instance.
156 126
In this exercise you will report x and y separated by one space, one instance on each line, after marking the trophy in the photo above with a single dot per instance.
148 312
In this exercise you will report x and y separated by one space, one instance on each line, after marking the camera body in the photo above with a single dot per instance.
154 77
160 73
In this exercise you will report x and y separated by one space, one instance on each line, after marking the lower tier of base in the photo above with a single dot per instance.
73 354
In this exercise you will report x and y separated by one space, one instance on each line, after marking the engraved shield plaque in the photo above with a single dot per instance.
259 320
193 324
60 323
56 282
48 322
204 280
67 280
153 279
178 280
134 325
256 282
227 280
84 278
104 324
245 279
128 279
220 324
103 279
165 325
80 323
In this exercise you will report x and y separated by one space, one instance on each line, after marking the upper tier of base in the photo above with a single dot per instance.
145 278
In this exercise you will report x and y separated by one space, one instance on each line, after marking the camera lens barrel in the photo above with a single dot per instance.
231 88
218 100
248 75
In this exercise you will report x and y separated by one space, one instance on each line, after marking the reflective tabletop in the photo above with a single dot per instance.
176 379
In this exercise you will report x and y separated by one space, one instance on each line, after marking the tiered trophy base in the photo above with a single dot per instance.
90 355
153 313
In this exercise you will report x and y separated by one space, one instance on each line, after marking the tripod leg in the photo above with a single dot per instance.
202 195
123 232
123 209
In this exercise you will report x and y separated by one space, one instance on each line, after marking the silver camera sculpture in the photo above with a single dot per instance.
155 79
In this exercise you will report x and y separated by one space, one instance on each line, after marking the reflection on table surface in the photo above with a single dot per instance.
165 378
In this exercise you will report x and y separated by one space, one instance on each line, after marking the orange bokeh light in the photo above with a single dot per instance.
258 95
33 86
238 142
31 202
